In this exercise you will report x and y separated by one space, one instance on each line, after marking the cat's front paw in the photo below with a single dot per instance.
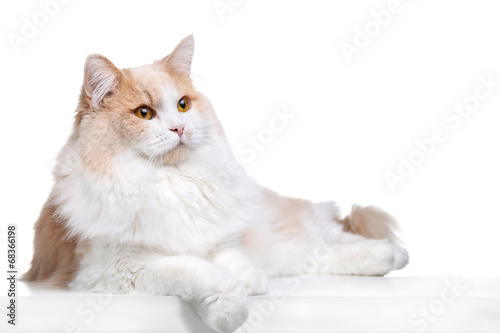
253 278
226 309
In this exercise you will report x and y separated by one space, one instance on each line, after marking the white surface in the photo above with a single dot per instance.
295 304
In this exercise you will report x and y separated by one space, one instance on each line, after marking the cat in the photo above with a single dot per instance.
148 198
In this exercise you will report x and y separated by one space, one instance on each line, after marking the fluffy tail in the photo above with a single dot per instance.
371 222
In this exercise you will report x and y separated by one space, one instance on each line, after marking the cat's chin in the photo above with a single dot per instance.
176 155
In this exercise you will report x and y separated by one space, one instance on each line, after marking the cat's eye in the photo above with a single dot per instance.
183 104
144 112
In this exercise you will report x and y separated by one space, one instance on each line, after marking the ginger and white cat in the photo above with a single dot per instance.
149 198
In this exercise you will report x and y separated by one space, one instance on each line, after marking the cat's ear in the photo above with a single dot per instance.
100 78
179 61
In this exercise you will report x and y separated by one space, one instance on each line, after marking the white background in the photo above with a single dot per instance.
353 120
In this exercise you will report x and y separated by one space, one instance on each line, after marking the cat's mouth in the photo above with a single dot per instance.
177 154
180 143
177 143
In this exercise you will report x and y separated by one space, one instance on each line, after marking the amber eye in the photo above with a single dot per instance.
144 112
183 104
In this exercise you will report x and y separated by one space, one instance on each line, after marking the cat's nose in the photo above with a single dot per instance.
178 129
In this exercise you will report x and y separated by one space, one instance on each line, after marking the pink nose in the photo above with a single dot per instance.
179 129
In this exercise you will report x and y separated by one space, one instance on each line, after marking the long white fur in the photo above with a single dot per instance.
175 230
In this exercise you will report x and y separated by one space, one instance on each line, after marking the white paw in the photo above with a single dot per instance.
254 279
381 259
226 309
401 257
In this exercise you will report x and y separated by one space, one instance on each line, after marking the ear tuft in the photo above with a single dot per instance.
100 78
181 57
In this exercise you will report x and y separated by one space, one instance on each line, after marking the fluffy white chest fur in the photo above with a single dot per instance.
190 208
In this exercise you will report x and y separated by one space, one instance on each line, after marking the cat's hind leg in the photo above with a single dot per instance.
368 257
401 256
362 224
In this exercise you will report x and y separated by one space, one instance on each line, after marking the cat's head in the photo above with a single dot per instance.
153 111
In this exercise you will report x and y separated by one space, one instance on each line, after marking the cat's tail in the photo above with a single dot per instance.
371 222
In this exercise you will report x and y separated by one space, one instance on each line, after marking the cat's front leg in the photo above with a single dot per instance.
218 297
235 260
